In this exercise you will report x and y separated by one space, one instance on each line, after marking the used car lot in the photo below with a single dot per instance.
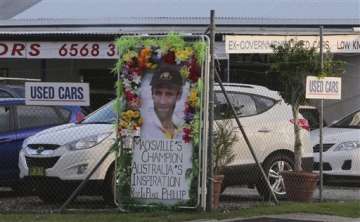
267 120
70 151
19 121
341 150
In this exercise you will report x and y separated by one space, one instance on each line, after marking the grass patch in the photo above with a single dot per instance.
345 209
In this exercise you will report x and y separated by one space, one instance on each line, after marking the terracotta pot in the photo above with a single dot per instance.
300 186
217 183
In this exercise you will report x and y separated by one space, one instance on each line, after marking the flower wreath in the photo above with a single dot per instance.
139 56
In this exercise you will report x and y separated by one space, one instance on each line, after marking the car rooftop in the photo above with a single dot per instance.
11 100
251 89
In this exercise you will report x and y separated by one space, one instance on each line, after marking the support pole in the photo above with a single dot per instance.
43 70
321 118
211 113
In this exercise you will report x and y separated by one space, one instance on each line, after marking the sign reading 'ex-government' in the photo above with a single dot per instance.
55 93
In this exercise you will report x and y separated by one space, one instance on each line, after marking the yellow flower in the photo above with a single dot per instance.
136 114
123 124
129 55
193 98
126 117
183 54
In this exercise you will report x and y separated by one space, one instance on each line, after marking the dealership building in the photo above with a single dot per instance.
72 40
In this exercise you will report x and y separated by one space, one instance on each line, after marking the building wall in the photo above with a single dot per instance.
21 68
56 70
350 99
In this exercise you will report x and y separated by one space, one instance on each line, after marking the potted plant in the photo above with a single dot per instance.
293 62
224 140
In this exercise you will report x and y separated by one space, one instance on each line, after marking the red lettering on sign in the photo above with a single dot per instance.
95 49
84 51
18 48
111 51
3 49
34 49
73 49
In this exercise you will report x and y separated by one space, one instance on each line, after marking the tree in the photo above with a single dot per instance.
293 62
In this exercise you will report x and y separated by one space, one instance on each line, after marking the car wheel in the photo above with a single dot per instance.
109 186
273 167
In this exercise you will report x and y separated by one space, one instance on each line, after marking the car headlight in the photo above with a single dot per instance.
26 141
348 145
88 142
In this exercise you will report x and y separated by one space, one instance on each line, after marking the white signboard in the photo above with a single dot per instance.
261 44
55 93
323 88
58 50
159 170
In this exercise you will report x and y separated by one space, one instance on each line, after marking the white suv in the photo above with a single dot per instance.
57 159
268 123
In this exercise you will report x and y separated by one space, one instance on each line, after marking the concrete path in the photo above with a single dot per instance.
298 217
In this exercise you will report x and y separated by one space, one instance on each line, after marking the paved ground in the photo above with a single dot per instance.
288 218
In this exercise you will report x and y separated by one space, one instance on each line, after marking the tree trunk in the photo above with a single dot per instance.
297 144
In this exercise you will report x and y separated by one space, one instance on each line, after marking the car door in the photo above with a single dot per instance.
250 109
7 143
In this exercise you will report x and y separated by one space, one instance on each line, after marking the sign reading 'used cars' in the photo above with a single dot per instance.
323 88
55 93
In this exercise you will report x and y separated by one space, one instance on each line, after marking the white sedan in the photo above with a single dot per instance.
341 150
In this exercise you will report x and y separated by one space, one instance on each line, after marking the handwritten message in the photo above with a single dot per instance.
159 170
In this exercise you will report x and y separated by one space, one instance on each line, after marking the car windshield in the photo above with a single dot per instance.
350 121
105 114
19 91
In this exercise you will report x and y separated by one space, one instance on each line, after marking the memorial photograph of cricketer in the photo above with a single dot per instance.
163 102
161 158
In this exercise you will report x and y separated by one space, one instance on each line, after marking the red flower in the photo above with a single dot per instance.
129 96
194 70
169 58
187 130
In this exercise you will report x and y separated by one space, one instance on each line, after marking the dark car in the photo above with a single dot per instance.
12 91
311 113
19 121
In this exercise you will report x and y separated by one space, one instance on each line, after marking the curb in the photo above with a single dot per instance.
298 216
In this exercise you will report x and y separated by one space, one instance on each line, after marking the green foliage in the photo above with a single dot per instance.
171 42
224 139
149 43
293 62
200 51
123 175
127 43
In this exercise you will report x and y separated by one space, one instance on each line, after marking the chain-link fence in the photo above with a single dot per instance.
40 172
